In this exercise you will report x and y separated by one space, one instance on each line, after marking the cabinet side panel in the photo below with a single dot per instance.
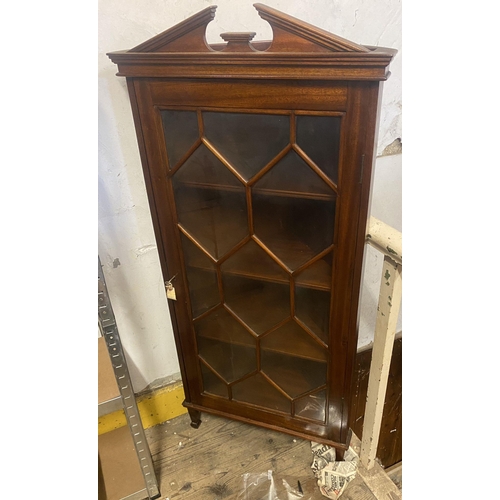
145 167
355 182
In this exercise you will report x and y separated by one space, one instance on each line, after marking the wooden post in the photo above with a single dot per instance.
389 242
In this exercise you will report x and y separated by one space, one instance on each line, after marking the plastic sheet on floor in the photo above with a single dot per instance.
265 486
331 477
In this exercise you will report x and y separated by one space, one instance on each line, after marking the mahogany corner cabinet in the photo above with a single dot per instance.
257 158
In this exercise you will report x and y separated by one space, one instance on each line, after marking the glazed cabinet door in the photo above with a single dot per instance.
256 204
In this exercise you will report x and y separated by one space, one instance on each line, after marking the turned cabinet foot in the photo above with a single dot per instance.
195 416
339 455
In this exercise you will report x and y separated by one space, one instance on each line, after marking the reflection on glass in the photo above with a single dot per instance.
181 132
294 375
258 391
211 383
216 218
202 278
312 406
319 138
247 141
295 230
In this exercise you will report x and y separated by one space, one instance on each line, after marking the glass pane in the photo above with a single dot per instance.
294 375
230 361
258 391
293 215
181 132
312 406
317 275
211 383
259 304
247 141
312 307
293 340
202 278
252 261
319 138
295 230
203 168
216 218
292 176
225 345
220 325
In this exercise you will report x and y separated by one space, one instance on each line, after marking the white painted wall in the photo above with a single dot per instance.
126 240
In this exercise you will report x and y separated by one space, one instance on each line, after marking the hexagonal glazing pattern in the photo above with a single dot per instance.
294 211
290 172
259 303
211 202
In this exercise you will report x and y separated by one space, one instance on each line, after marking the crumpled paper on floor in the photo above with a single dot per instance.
333 476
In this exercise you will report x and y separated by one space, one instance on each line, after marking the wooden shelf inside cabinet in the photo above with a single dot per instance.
289 245
295 377
289 339
258 160
259 191
317 277
261 306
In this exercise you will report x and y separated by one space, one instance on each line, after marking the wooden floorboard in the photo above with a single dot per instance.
208 463
396 474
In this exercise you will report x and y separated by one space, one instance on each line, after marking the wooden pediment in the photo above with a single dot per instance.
293 35
298 49
187 36
289 35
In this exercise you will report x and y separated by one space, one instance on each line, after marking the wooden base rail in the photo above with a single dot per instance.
388 241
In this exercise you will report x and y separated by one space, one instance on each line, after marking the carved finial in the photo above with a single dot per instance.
238 42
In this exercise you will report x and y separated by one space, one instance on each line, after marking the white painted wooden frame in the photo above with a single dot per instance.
388 241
